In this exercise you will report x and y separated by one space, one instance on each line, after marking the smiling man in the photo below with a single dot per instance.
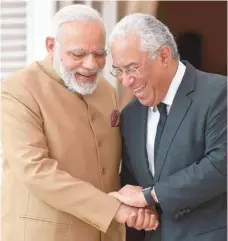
174 134
61 142
77 60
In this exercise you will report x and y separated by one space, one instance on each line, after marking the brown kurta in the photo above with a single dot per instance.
61 156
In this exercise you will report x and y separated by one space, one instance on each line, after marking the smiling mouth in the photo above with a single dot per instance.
139 89
87 76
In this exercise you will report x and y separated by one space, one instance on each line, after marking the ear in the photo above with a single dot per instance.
50 45
165 55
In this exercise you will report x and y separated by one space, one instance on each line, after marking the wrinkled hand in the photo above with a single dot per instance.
143 218
131 195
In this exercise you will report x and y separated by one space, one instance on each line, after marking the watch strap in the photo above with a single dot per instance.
147 195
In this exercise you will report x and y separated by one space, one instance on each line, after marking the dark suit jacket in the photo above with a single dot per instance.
190 171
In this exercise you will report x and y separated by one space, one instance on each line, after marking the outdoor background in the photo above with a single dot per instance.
200 28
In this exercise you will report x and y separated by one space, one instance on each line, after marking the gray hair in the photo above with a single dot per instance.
76 12
153 33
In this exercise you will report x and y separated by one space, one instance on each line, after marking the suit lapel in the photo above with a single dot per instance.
145 177
179 109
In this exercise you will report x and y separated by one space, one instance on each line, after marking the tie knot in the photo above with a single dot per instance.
162 108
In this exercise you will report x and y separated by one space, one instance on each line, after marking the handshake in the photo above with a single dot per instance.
134 210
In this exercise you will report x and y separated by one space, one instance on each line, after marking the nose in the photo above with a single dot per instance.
90 62
126 80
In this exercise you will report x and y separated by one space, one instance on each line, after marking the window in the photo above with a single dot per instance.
13 36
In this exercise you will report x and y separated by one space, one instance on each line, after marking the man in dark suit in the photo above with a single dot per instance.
173 133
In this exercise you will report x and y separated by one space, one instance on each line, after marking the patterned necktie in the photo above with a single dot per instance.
163 116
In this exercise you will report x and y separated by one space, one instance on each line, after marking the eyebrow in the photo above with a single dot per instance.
126 66
79 49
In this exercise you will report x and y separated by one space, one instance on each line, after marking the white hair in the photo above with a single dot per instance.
76 12
153 33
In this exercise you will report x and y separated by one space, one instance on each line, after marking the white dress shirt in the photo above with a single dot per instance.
153 114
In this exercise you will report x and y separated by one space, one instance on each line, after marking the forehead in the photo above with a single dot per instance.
127 50
85 35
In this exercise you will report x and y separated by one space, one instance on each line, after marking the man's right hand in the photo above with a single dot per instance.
143 218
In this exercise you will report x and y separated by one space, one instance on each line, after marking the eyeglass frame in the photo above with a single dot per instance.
135 70
131 71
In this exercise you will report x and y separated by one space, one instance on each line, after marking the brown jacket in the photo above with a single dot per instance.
61 157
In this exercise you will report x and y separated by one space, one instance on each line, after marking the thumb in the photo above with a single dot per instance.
131 219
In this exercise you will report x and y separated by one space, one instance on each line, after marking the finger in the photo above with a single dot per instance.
153 222
140 219
156 225
131 219
153 228
147 218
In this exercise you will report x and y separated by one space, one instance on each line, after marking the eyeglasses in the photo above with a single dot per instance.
80 54
132 71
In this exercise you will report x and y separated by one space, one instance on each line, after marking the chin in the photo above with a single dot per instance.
143 102
146 102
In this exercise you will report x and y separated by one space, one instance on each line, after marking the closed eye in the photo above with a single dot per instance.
100 54
77 56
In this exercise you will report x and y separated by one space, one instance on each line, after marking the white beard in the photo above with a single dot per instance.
69 79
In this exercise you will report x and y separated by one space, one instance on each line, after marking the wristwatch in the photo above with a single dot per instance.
147 195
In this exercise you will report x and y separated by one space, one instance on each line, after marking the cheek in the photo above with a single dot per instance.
71 65
151 90
101 63
153 79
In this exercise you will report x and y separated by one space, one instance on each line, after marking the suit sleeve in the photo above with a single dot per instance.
205 179
25 149
127 177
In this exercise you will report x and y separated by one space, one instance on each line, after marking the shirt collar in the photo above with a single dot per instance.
175 83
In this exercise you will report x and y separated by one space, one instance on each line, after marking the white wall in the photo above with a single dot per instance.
39 13
110 19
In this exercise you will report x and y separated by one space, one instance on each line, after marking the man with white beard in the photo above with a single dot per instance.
73 83
61 142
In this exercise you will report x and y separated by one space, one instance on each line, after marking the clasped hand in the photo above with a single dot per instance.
134 210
